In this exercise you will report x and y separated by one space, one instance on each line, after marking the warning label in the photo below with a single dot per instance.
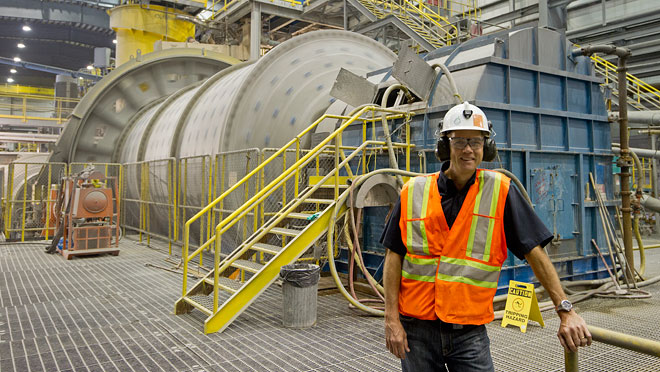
521 306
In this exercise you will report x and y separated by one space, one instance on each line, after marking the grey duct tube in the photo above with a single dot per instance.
646 153
625 160
639 117
651 203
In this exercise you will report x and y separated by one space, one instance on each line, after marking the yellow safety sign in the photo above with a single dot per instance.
521 306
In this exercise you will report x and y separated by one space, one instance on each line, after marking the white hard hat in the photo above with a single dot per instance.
464 116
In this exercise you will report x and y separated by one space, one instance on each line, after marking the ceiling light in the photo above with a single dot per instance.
90 67
114 41
10 80
27 28
20 45
13 70
17 59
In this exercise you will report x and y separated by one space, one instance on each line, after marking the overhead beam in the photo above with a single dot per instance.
49 69
279 27
76 13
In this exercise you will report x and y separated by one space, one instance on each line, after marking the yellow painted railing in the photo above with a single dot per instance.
36 107
445 32
290 172
640 94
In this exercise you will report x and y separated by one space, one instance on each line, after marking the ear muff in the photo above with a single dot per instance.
490 150
442 149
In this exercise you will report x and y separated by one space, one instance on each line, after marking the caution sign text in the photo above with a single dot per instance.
521 306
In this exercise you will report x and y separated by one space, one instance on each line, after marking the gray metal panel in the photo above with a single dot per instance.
551 52
521 46
414 72
353 89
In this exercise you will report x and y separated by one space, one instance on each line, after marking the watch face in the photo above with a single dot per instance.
565 305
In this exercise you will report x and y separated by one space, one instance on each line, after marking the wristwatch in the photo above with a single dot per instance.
565 305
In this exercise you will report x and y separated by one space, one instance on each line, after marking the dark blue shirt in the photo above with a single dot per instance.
523 229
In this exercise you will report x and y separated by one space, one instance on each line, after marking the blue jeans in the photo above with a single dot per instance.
438 346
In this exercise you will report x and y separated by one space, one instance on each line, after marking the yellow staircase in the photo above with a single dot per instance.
641 95
284 234
429 25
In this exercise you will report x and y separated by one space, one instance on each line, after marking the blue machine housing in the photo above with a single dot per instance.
550 119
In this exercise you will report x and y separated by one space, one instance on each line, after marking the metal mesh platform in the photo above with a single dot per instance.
105 313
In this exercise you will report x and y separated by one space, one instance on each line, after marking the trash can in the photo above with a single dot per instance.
299 291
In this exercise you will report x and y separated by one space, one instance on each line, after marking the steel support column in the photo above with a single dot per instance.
255 30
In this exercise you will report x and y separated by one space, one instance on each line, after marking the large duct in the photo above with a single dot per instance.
213 109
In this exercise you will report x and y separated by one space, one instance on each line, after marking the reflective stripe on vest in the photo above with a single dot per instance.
422 269
468 272
418 190
485 207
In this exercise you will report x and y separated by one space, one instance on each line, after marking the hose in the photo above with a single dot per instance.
638 237
330 242
640 245
357 253
386 129
452 83
518 183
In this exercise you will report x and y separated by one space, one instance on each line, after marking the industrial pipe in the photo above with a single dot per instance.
625 159
639 117
646 153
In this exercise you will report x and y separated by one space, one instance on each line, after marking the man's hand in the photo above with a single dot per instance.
396 339
573 331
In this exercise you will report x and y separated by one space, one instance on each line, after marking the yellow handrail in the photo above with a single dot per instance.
256 198
29 106
422 7
634 81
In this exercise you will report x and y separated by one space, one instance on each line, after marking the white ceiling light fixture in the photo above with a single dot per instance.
27 28
20 45
90 67
114 41
10 80
17 59
13 70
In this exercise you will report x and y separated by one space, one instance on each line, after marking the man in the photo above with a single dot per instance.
447 239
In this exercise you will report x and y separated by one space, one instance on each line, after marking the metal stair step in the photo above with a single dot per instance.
319 201
247 265
333 186
267 248
284 231
226 284
201 303
299 216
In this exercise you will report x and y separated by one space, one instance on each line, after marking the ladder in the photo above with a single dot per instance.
286 233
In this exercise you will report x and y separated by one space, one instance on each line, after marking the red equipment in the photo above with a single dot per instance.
88 212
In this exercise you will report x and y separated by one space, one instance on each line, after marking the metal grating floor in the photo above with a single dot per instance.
108 313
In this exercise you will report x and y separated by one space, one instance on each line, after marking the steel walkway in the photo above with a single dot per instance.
115 314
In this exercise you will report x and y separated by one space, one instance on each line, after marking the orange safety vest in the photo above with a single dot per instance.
452 274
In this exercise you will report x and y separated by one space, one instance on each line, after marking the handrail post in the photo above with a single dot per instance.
570 361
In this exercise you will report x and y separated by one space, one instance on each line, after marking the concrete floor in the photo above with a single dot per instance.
104 313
